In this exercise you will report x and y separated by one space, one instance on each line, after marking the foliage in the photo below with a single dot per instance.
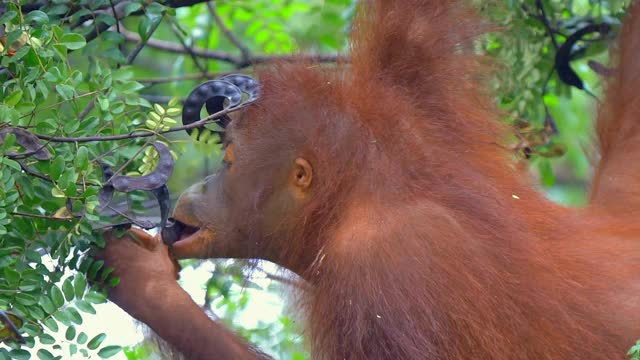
532 92
71 74
634 352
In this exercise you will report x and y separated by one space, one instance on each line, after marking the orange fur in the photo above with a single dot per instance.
426 242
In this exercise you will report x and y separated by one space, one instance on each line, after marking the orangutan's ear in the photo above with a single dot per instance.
302 174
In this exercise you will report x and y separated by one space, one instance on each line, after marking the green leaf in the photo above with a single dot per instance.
51 324
56 168
56 296
14 98
128 87
73 41
46 339
47 305
79 285
62 316
8 16
11 276
26 299
74 315
130 8
85 306
36 16
96 341
95 297
114 281
67 92
55 192
44 354
159 109
19 354
82 338
33 255
70 334
12 164
105 273
67 289
104 103
109 351
95 267
42 88
85 264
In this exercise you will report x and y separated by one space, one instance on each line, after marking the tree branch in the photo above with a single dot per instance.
168 79
545 22
230 58
38 216
141 134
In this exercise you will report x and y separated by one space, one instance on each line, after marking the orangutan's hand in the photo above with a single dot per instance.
144 267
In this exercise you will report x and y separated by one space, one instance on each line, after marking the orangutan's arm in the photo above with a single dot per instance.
148 291
176 318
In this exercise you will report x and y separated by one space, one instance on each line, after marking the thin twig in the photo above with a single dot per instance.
31 172
38 216
123 166
136 50
144 225
244 50
111 151
545 21
187 47
28 170
168 79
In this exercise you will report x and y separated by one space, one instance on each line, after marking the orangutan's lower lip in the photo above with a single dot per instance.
177 231
187 232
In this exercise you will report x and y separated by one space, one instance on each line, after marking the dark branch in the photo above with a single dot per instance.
38 216
545 21
230 58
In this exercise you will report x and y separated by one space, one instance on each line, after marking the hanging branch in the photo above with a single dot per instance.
545 22
134 53
189 48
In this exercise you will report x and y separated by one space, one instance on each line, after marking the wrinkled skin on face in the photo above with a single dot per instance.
230 213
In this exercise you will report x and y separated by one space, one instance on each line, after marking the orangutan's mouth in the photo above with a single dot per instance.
177 231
